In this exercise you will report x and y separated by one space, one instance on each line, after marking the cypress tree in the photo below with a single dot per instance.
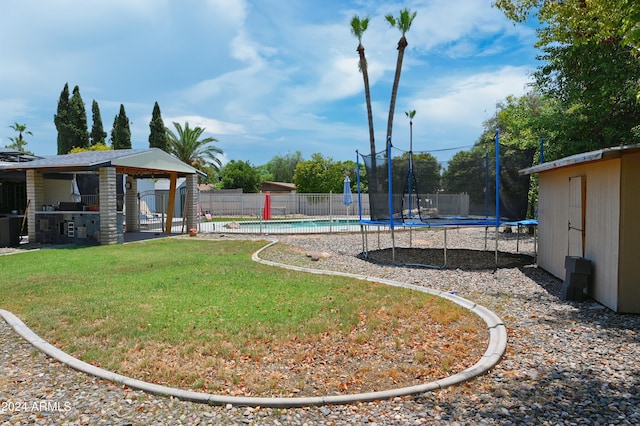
121 134
61 120
78 121
98 135
158 133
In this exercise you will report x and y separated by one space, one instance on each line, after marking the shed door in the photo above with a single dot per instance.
577 214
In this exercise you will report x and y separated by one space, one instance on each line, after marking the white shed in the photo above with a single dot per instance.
589 206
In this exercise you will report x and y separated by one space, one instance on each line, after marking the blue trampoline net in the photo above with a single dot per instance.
415 188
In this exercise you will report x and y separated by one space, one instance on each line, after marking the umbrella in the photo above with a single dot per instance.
347 198
75 192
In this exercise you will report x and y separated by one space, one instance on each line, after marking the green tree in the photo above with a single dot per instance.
403 23
322 175
358 27
213 176
282 168
579 21
98 135
464 170
19 142
240 174
426 171
62 122
101 146
472 172
121 133
265 174
78 121
522 121
595 87
158 131
187 146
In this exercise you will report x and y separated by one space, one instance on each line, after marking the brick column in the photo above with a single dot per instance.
193 198
131 205
108 206
35 195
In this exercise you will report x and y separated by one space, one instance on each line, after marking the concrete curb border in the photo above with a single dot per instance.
495 350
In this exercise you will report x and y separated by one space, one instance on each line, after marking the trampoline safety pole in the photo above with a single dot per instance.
445 247
486 185
330 212
486 231
497 236
390 200
365 243
497 190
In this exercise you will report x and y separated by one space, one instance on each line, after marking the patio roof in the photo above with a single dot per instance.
152 162
8 155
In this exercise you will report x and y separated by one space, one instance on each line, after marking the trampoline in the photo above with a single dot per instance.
402 188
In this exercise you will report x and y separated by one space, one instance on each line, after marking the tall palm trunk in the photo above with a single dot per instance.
372 179
367 94
358 27
402 45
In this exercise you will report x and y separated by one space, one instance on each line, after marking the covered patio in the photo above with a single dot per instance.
58 212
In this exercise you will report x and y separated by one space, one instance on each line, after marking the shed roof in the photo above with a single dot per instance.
136 162
586 157
277 186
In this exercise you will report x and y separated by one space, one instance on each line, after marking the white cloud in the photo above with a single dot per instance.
263 76
466 99
234 11
210 125
439 25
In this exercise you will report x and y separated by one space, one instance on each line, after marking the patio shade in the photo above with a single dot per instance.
347 198
75 192
266 212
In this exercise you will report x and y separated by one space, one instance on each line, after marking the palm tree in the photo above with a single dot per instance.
358 27
403 23
189 148
19 142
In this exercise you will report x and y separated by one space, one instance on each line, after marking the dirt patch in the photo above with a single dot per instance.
387 349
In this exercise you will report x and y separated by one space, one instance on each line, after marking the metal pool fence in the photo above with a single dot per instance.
300 213
226 212
289 205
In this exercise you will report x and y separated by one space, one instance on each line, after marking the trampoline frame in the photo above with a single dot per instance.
442 223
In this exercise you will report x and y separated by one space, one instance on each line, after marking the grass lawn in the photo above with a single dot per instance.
202 315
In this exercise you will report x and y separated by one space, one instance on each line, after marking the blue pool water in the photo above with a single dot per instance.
299 224
284 226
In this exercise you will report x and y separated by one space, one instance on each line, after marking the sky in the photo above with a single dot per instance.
263 77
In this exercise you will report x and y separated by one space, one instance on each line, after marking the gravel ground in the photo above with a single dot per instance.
566 362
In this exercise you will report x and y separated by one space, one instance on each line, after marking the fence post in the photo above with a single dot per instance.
330 212
164 209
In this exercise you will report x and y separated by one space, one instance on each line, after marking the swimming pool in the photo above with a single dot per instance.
293 226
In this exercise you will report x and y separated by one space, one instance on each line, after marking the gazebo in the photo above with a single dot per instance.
56 213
